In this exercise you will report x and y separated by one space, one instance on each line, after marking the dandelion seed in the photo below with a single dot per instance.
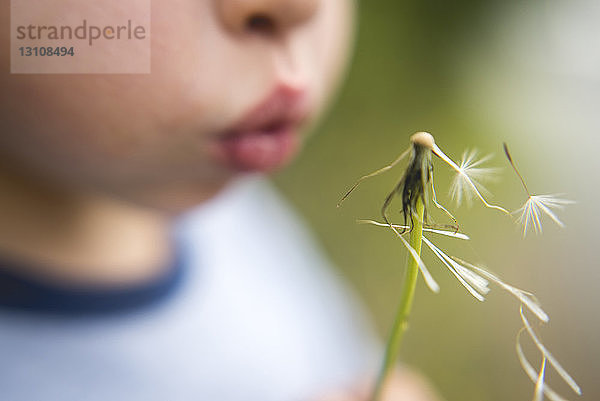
538 394
559 369
531 373
452 234
429 280
475 284
538 378
526 298
470 167
467 181
437 204
373 174
531 211
431 283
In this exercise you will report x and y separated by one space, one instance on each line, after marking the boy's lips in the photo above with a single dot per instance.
266 137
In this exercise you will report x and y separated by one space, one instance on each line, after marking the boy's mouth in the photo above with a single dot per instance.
267 137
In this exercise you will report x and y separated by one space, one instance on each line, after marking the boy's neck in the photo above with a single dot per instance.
79 238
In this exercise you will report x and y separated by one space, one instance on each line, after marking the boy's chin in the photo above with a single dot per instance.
177 199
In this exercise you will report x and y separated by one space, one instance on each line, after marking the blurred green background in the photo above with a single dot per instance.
474 73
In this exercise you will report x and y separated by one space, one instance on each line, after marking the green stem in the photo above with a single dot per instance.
392 348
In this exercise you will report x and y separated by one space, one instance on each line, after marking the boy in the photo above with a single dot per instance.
108 291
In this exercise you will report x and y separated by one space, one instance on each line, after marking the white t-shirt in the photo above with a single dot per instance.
257 315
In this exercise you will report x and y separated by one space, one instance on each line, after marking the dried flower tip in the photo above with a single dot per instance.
412 187
424 139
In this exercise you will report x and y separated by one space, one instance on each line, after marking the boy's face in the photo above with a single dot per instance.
232 82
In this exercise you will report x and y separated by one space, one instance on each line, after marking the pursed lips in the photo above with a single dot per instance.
266 137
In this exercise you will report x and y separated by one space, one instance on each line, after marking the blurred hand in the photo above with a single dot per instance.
403 385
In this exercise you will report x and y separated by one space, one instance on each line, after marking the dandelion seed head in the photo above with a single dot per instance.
531 212
424 139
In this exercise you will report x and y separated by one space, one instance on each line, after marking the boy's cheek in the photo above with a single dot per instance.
118 134
117 113
190 94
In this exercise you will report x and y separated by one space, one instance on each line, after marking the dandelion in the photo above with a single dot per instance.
413 185
531 211
413 190
470 167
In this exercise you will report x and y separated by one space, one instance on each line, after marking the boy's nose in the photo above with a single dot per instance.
265 16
